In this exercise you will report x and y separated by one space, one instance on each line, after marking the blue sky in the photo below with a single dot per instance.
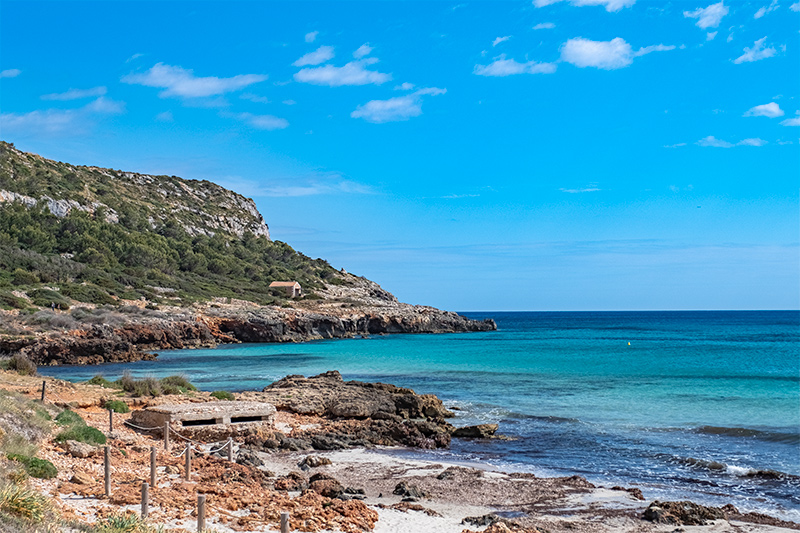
545 155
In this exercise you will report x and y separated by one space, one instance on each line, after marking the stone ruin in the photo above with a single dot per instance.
207 420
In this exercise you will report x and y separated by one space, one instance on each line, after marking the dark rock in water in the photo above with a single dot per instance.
481 431
634 492
313 461
683 513
248 458
351 490
409 492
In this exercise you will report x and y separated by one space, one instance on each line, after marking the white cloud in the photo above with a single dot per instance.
607 55
506 67
166 116
254 98
610 5
57 122
757 53
288 102
76 94
752 142
363 50
713 142
353 73
10 73
320 55
792 121
395 109
181 82
771 110
261 122
653 48
404 86
544 26
677 145
710 35
795 6
311 36
501 40
708 17
766 9
591 188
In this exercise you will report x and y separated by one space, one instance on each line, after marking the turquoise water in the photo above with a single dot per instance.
699 404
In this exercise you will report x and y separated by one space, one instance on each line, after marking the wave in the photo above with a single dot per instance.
765 435
735 470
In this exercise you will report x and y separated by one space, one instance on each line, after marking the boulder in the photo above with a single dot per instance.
313 461
481 431
79 449
682 513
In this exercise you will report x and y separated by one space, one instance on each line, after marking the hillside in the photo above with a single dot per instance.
99 265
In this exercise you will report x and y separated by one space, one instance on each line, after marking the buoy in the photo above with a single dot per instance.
629 343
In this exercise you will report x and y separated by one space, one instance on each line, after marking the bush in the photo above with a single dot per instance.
69 418
223 395
23 502
46 297
176 384
118 406
103 382
22 365
23 277
9 301
82 433
127 523
39 468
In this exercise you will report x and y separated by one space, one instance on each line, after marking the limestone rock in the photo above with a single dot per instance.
682 513
481 431
79 449
313 461
81 478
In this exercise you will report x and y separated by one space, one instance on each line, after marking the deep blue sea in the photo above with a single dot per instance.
697 405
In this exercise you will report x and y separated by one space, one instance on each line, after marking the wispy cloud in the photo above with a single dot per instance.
610 5
309 184
181 82
58 122
713 142
606 55
708 17
590 188
792 121
260 122
405 86
506 67
311 36
500 40
544 26
795 6
318 56
766 9
254 98
363 50
76 94
676 145
771 110
395 109
352 73
711 35
10 73
165 116
758 52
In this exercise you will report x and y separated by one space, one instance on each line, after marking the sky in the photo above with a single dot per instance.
473 156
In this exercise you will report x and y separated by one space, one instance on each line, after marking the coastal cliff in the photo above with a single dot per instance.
100 265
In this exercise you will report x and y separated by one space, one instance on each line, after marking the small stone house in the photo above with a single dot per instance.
291 288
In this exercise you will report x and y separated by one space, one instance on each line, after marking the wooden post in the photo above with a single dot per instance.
153 466
110 421
107 467
188 454
284 522
145 500
44 385
230 449
201 512
166 435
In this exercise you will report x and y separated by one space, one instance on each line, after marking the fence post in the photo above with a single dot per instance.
188 454
201 512
110 421
44 385
145 500
230 449
166 435
284 522
153 466
107 468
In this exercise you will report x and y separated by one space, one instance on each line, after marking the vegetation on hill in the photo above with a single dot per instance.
129 236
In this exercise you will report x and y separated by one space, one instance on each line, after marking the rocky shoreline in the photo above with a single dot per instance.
343 312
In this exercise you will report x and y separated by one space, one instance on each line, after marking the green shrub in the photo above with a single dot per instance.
103 382
82 433
23 277
46 297
22 365
222 395
35 467
69 418
176 384
118 406
23 502
9 301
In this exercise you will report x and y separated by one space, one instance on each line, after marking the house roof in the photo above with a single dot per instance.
284 284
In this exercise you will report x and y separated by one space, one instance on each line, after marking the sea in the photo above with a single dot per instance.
698 405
